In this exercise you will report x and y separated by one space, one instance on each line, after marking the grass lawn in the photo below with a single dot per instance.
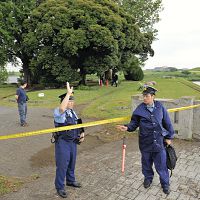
6 90
194 75
117 102
103 102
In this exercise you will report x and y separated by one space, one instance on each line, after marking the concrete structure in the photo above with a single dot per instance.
186 123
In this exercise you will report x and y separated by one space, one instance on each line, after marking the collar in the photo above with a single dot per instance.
151 106
71 112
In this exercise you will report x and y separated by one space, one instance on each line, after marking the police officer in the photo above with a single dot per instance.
155 128
66 143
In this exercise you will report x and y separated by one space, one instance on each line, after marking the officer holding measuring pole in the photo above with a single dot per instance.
66 143
155 128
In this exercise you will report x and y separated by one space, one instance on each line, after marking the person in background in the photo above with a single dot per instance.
155 129
66 143
22 98
114 80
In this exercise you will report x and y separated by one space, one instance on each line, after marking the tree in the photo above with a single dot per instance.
3 74
12 16
64 39
68 37
186 72
132 70
146 12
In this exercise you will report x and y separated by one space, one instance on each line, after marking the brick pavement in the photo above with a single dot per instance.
103 172
99 172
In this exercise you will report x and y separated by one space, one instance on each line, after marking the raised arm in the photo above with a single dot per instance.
65 101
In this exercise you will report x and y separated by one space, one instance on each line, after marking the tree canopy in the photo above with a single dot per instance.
59 40
86 36
12 16
146 12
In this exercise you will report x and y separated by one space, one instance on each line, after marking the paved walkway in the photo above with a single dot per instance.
98 169
99 172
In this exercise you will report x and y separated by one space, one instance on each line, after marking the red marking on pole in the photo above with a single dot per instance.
123 155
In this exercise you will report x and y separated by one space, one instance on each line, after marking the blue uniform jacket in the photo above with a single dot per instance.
153 126
67 118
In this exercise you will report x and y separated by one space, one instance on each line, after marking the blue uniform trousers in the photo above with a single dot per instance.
65 154
159 160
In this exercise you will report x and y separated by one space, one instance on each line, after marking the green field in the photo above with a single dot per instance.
103 102
194 74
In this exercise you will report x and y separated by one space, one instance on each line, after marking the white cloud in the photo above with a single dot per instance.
179 35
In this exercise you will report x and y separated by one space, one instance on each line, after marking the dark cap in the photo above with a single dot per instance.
149 90
62 96
22 82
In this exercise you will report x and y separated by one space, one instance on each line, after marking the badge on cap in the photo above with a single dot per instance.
149 90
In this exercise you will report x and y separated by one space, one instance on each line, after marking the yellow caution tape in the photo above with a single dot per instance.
88 124
64 128
183 108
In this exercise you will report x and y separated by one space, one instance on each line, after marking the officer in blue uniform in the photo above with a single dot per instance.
66 143
155 129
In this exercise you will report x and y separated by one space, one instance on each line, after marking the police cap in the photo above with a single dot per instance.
62 96
149 90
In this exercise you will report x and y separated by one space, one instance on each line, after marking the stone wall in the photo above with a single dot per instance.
196 121
186 123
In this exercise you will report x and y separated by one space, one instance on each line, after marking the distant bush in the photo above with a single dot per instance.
186 72
135 74
172 69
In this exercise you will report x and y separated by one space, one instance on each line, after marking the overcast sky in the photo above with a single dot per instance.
178 43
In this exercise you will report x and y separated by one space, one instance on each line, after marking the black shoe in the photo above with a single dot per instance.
24 124
74 184
166 190
147 183
62 193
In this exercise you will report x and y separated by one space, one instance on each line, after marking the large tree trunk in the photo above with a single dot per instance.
26 71
108 74
27 74
25 66
83 77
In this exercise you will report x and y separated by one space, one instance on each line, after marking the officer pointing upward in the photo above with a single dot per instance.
155 128
66 143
